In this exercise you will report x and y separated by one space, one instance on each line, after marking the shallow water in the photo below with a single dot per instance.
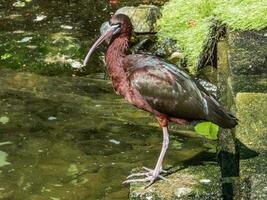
65 137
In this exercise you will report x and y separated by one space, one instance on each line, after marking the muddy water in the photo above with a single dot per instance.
66 137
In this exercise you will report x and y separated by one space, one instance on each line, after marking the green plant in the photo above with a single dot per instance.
208 130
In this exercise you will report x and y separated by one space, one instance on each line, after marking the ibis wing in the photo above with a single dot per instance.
168 89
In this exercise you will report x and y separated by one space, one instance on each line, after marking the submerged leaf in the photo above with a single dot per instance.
5 56
4 120
3 159
208 130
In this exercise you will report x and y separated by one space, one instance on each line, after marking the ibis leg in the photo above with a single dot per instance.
164 148
152 175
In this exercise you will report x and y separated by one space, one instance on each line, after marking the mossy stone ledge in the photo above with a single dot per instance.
242 75
195 182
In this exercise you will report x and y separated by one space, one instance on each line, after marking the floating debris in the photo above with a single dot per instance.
66 27
114 141
25 39
18 31
32 46
5 143
19 4
57 185
51 118
39 18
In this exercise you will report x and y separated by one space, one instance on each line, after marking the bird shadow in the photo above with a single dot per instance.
228 163
214 158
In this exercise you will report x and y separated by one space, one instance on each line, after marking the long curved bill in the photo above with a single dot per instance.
107 34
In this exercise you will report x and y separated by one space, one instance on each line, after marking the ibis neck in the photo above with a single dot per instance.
117 51
114 58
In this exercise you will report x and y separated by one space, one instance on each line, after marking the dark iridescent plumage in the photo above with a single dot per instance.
169 90
158 87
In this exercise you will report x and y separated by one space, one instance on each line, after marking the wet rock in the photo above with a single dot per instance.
252 108
183 184
247 52
251 132
143 17
176 57
166 49
242 81
251 83
253 172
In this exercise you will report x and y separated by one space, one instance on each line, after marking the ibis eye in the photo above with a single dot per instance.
114 24
117 24
117 28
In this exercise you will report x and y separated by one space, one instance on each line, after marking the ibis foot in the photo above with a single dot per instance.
149 176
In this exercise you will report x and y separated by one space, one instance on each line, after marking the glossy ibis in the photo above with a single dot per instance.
153 85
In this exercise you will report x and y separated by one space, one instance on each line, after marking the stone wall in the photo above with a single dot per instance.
242 84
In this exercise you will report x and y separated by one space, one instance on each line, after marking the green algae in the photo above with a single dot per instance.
243 15
251 107
190 22
44 54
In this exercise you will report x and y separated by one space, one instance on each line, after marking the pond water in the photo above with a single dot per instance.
67 136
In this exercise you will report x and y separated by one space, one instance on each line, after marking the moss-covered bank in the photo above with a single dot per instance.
190 22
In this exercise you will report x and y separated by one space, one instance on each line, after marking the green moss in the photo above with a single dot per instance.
251 112
243 14
189 22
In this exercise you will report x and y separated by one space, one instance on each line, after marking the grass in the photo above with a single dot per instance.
189 22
